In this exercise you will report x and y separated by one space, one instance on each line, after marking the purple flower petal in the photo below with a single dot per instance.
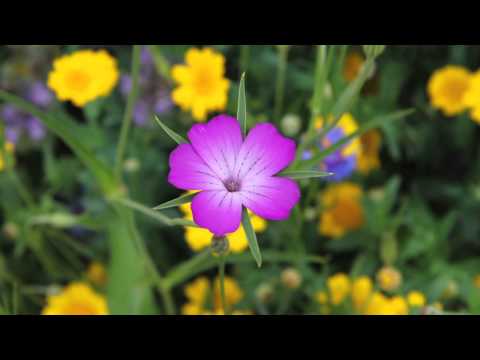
218 143
265 152
271 198
35 128
218 211
189 172
39 94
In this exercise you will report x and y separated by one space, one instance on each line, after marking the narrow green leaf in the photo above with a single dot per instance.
251 237
64 129
184 199
242 105
374 123
173 135
304 174
161 218
204 261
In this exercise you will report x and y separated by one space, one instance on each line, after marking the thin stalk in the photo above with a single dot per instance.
21 189
281 78
221 272
127 118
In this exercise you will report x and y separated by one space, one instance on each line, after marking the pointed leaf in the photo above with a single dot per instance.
376 122
66 130
242 105
251 237
184 199
163 219
173 135
304 174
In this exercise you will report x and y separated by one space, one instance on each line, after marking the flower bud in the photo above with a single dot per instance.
131 165
389 249
291 278
220 245
264 293
10 230
450 291
389 278
373 51
310 213
291 124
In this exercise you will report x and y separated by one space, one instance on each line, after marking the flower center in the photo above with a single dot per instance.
203 82
77 80
232 185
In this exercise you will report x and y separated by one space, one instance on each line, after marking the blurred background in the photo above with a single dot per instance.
394 231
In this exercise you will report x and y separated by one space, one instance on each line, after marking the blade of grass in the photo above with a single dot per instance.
184 199
173 135
251 237
242 105
127 117
161 218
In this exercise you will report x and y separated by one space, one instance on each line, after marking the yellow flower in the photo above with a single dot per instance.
447 89
76 299
368 158
96 273
397 306
361 292
389 278
339 288
349 125
83 76
416 299
377 305
321 297
197 291
199 294
472 97
202 85
200 238
343 211
476 281
353 64
8 149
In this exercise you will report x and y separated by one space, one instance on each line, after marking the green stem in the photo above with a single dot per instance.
221 271
151 268
127 118
281 78
21 189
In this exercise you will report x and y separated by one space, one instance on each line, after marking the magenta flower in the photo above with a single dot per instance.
232 172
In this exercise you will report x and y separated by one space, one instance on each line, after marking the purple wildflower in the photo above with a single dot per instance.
341 165
154 95
18 123
232 172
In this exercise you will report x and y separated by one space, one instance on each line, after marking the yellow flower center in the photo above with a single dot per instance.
455 89
77 80
204 82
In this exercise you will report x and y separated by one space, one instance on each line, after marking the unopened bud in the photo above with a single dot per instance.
264 293
291 124
131 165
389 278
389 249
310 213
450 291
10 230
291 278
220 245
